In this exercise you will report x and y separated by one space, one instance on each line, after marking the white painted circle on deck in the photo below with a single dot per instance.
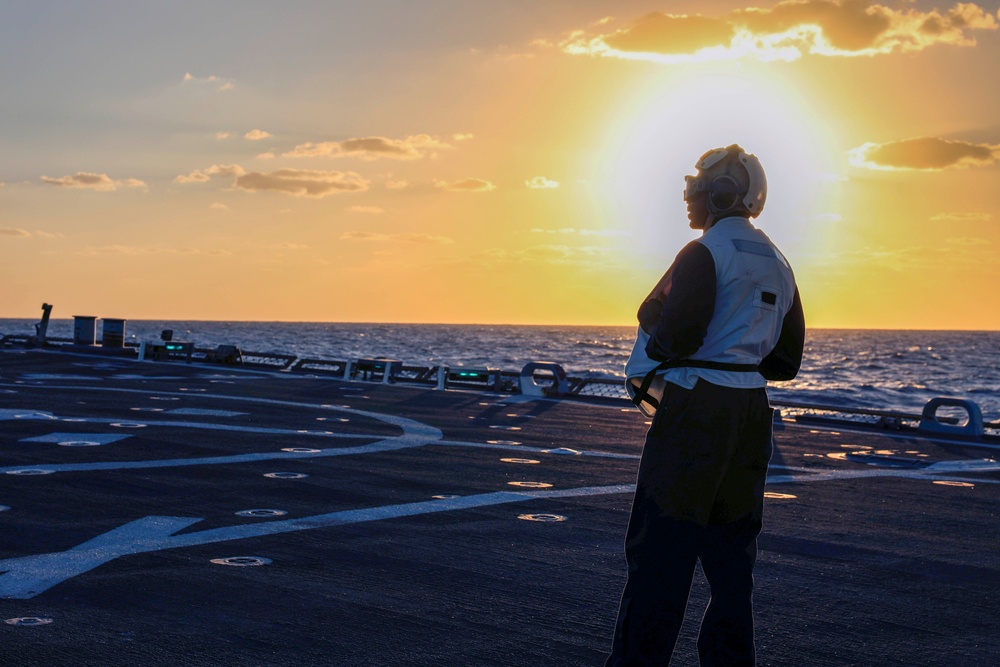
301 450
285 475
79 443
30 471
528 461
544 518
242 561
503 442
261 513
531 485
28 620
127 425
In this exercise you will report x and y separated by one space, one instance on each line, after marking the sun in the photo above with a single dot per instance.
665 128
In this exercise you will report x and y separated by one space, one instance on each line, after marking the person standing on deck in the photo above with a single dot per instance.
725 318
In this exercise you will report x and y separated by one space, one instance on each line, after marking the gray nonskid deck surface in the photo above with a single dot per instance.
437 528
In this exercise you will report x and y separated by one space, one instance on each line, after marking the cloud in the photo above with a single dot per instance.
256 135
13 231
589 257
541 183
466 185
370 148
87 181
968 241
265 156
219 207
375 210
220 84
199 176
462 136
302 182
136 251
221 135
397 185
923 154
962 217
294 182
388 238
786 31
581 232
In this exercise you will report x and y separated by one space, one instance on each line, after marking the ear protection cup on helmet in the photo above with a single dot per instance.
724 193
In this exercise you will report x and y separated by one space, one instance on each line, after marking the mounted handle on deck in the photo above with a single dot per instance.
528 386
930 423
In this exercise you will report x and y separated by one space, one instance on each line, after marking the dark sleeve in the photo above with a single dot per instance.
784 360
678 313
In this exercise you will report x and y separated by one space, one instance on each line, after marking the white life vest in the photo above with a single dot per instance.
755 288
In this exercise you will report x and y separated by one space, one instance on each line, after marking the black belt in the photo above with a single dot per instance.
642 394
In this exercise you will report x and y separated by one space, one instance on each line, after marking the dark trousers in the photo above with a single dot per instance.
699 495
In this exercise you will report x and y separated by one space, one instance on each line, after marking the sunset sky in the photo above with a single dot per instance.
489 162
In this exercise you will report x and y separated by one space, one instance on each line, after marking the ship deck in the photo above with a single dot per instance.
184 514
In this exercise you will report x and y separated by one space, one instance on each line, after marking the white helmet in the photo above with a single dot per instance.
730 189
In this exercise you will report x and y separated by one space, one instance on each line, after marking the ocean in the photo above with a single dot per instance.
877 369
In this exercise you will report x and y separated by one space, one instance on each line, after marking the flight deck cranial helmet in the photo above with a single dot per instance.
732 182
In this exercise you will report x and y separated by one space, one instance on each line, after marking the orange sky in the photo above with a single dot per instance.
490 162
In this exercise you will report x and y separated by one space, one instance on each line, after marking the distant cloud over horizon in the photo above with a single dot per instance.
310 183
961 217
199 176
466 185
14 231
257 135
581 232
787 31
923 154
220 84
303 182
371 148
541 183
370 210
404 237
88 181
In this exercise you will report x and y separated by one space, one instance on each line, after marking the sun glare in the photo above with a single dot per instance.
666 128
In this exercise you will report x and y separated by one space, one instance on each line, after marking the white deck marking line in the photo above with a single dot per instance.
536 450
386 445
27 576
415 434
220 427
199 412
923 436
101 438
